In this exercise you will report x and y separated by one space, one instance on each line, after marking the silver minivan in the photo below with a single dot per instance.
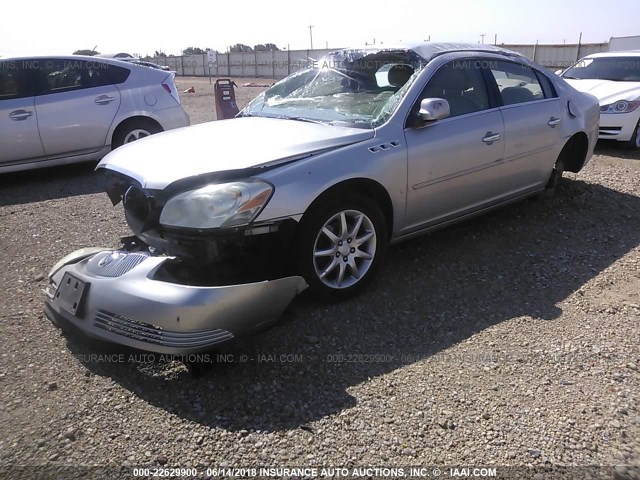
57 110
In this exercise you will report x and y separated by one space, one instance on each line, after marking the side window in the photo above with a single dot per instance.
461 83
101 74
517 83
60 75
8 81
64 75
13 81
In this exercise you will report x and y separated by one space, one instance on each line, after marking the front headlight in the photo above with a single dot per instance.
221 205
622 106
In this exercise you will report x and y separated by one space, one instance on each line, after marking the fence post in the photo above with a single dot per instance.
288 62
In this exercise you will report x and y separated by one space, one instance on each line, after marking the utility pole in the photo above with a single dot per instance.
311 35
482 35
579 46
495 39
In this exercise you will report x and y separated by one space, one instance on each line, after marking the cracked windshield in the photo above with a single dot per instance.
353 88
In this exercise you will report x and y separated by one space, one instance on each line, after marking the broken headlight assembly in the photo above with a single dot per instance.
218 205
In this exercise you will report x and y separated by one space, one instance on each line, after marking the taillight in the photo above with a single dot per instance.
169 85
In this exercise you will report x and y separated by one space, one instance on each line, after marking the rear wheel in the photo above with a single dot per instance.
134 130
340 246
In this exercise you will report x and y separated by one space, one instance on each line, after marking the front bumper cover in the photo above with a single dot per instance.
619 126
118 297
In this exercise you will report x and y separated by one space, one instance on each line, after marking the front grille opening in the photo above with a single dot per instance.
153 334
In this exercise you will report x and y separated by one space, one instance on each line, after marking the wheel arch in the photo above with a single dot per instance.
574 153
363 186
125 123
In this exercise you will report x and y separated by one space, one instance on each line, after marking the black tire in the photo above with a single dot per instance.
125 131
310 241
634 143
554 180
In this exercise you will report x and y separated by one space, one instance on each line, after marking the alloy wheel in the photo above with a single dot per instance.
136 134
344 249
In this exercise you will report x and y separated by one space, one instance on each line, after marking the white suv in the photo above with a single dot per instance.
57 110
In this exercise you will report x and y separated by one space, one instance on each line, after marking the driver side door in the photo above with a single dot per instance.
454 164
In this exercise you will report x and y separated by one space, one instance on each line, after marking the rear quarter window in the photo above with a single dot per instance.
119 74
547 85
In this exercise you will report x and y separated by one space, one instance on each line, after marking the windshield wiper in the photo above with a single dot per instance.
301 119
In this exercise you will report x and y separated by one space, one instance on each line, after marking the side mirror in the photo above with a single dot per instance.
432 109
558 72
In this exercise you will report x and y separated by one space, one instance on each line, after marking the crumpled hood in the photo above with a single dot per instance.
607 91
224 145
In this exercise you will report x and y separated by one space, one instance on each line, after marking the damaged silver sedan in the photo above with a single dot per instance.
310 184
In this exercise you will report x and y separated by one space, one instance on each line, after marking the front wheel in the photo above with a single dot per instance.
634 143
340 246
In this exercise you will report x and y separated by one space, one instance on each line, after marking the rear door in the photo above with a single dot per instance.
19 138
76 104
532 115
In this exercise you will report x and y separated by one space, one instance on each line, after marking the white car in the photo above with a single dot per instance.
614 78
56 110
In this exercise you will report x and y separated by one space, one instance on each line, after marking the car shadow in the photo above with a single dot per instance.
432 293
612 148
18 188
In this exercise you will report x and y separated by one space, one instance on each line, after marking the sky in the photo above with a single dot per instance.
144 26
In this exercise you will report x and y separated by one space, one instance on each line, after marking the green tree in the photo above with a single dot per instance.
193 51
159 53
240 47
86 52
266 47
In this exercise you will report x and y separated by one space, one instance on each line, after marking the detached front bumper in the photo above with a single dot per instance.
118 297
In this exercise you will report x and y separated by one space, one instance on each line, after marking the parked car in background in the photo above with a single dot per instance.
317 176
614 78
57 110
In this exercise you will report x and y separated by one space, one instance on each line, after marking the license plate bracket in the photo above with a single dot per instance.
71 294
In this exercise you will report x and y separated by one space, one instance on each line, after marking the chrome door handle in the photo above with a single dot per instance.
491 137
104 99
553 121
18 115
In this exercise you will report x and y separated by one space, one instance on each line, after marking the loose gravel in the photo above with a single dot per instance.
511 339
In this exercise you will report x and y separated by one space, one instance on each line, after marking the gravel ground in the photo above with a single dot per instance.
511 339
